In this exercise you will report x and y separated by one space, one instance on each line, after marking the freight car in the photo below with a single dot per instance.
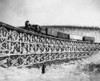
88 39
63 35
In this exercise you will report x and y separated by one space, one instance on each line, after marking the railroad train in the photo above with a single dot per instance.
22 47
58 34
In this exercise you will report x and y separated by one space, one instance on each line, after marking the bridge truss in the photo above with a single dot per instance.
21 48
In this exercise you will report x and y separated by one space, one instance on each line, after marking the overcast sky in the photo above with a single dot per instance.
51 12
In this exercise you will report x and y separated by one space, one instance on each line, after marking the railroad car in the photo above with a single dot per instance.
88 39
63 35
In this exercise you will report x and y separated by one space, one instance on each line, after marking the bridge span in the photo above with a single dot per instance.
24 48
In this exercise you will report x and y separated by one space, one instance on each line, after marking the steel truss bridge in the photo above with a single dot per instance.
22 48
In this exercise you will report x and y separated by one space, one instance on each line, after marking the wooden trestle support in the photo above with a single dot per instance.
21 48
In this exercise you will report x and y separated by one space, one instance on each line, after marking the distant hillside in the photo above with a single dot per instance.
73 27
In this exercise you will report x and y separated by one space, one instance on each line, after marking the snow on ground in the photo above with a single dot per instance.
61 72
72 71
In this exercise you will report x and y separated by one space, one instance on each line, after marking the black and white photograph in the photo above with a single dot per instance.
49 40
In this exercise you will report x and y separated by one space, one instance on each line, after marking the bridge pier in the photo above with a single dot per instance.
43 68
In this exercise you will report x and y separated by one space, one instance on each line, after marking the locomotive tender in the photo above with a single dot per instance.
22 48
